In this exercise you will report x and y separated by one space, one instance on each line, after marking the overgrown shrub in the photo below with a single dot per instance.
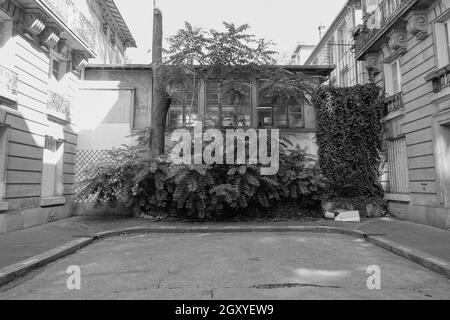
204 191
349 139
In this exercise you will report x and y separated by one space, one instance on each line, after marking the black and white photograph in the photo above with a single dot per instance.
225 158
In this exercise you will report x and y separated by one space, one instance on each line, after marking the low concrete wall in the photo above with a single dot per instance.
88 209
431 216
17 220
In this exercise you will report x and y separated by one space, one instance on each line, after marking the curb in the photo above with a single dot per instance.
17 270
20 269
425 260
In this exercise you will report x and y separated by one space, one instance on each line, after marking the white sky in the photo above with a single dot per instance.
286 22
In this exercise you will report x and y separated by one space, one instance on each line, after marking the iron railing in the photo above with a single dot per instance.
74 19
440 79
374 22
393 103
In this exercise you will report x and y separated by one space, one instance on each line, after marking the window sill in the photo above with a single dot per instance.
439 73
3 206
58 117
53 201
393 115
397 197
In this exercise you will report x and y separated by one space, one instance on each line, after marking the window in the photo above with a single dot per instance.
443 43
52 171
393 77
344 77
55 69
227 104
105 29
396 77
398 166
3 158
341 39
112 39
331 52
280 116
184 107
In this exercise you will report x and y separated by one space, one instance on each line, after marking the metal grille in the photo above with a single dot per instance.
85 160
398 166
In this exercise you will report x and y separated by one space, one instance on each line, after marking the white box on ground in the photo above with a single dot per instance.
330 215
348 216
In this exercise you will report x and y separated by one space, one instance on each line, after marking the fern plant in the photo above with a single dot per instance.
203 191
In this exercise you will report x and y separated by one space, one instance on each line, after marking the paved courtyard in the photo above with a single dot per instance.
231 266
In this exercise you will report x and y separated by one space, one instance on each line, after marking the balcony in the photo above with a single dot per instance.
393 103
378 22
74 19
58 106
440 79
8 85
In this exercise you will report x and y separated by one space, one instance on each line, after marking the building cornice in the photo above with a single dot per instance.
112 14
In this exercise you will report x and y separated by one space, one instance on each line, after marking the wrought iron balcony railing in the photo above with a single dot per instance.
393 103
74 19
58 104
440 79
376 21
8 83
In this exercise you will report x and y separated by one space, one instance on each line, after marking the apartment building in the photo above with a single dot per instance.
45 46
336 47
301 54
406 47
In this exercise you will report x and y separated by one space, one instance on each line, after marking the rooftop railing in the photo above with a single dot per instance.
74 19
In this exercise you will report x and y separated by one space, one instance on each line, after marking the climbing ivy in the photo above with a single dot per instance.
349 139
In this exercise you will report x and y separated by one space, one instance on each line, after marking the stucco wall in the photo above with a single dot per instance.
106 114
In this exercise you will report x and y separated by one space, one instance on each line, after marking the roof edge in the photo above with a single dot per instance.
330 29
130 42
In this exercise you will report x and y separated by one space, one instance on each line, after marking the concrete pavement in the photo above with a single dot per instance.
24 244
37 247
254 266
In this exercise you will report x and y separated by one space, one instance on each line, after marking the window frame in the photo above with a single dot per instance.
4 147
61 67
441 37
344 77
53 188
255 112
185 105
389 77
221 116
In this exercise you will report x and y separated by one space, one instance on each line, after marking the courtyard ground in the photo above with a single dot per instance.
24 244
231 266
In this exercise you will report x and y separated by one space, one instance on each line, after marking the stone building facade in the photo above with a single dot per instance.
45 46
405 45
336 47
